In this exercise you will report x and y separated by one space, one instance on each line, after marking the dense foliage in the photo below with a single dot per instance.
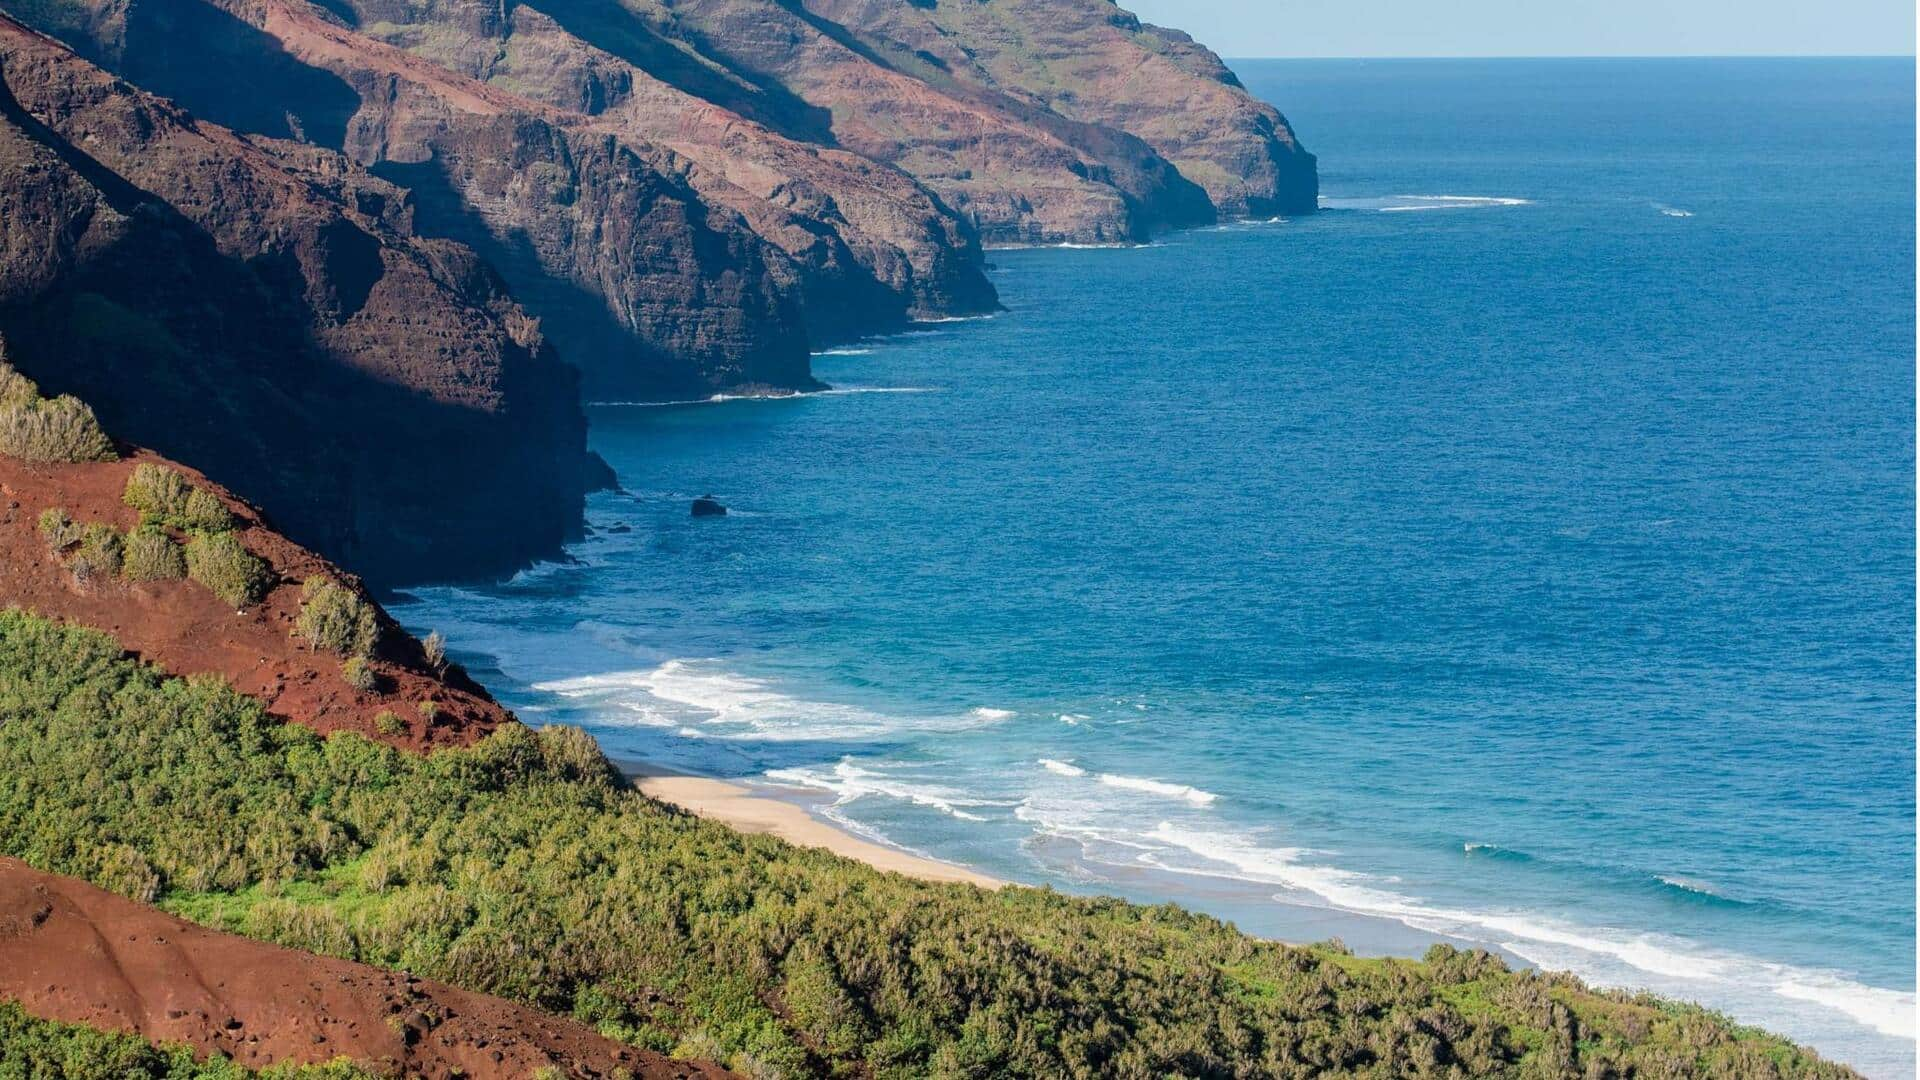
220 562
164 497
335 618
523 867
32 1049
152 555
35 428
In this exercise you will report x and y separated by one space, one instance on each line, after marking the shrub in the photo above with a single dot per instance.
164 497
16 389
429 711
58 529
359 674
222 564
151 555
205 511
34 428
99 553
155 490
435 647
388 723
335 618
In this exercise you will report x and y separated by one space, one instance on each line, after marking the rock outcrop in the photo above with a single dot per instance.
267 307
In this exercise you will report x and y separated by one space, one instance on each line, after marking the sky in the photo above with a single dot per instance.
1248 28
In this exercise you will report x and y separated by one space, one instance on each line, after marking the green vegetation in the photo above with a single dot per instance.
236 575
90 551
35 428
524 867
151 555
335 618
33 1049
58 529
359 674
388 723
99 553
164 497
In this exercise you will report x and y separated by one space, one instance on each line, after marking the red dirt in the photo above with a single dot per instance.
74 953
185 629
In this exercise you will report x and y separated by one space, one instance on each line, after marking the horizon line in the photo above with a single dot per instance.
1583 56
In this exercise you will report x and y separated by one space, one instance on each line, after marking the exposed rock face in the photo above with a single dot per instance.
870 247
1022 172
75 953
649 289
267 307
1092 62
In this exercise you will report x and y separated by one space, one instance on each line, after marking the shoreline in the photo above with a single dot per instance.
747 810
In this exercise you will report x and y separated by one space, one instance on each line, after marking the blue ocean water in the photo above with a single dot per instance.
1519 551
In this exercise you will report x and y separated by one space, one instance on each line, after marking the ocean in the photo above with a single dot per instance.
1519 552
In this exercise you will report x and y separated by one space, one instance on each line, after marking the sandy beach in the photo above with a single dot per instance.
750 811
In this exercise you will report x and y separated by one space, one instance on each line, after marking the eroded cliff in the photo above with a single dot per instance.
265 307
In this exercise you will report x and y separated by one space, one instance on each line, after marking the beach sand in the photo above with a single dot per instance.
749 811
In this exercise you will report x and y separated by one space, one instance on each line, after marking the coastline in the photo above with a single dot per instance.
742 808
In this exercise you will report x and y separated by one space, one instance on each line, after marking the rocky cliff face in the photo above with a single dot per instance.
1094 63
688 195
267 307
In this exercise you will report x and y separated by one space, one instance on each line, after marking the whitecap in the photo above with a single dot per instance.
1404 203
1062 768
849 782
1159 787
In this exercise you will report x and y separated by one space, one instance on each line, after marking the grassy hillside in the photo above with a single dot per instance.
523 867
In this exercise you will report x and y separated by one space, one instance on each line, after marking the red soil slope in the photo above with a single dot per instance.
71 952
185 629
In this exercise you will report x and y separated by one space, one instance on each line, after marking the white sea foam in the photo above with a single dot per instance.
1671 211
1072 719
1062 768
849 781
703 695
1403 203
1889 1012
844 351
719 399
984 713
1608 956
1159 787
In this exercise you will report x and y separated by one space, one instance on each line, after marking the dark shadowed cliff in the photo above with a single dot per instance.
266 309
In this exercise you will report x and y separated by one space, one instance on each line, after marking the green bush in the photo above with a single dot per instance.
359 674
15 389
164 497
512 868
388 723
335 618
34 428
222 564
58 530
151 555
99 553
35 1049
